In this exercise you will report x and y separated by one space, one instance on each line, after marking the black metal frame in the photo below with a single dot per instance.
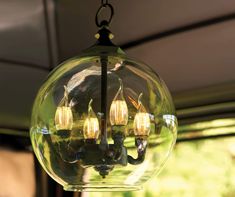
178 30
103 156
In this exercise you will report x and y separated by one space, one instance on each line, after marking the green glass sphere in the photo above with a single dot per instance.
84 148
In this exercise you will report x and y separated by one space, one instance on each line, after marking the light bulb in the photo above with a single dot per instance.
141 120
91 124
118 114
63 114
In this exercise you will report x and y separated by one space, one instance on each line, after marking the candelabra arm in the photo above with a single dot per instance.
141 145
118 152
70 156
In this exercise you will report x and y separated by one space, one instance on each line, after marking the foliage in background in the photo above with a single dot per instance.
198 168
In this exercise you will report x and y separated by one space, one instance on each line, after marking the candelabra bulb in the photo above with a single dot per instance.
118 110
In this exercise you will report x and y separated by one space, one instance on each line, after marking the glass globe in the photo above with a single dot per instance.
102 121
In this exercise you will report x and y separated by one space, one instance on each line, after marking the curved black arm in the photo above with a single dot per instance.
141 145
116 153
69 155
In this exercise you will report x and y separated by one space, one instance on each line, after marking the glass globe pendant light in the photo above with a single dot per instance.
103 121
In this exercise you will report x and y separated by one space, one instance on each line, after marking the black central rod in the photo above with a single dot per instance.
104 64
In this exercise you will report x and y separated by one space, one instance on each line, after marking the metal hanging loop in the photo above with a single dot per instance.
104 5
104 2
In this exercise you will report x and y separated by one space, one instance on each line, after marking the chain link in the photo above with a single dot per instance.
104 5
104 2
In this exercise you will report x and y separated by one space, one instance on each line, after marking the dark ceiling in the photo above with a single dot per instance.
191 44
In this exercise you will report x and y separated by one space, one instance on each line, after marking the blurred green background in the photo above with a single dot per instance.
196 168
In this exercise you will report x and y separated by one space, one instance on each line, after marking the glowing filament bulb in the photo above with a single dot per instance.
141 120
91 125
63 114
118 114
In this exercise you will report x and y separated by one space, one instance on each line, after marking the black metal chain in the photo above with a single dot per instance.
104 2
104 5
